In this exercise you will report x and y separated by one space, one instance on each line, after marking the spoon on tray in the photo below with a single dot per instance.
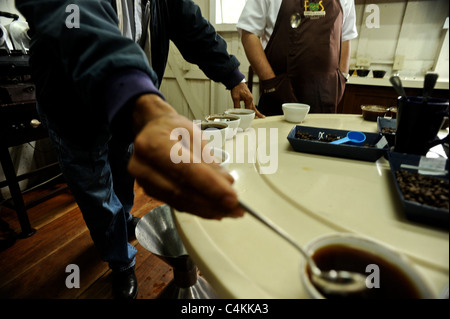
352 136
336 282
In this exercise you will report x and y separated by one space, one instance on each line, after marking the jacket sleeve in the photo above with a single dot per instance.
200 44
91 58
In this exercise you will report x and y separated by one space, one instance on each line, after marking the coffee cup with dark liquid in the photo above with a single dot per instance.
231 120
389 274
214 133
246 116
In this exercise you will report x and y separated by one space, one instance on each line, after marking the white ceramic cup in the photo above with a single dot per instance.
295 112
233 122
388 256
246 116
214 133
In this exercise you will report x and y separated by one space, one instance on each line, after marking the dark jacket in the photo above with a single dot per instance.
85 76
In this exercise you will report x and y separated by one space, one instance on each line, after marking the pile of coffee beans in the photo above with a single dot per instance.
388 130
325 138
423 189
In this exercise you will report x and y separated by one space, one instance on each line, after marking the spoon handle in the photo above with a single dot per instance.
428 86
340 141
333 282
398 86
280 232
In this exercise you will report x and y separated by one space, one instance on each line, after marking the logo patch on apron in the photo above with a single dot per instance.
314 10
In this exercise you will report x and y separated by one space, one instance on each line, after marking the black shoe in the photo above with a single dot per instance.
124 284
131 227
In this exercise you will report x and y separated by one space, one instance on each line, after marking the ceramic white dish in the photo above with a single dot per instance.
246 116
233 122
295 112
214 133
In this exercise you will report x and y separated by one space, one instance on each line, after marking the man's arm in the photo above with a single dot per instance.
95 60
345 56
256 56
200 44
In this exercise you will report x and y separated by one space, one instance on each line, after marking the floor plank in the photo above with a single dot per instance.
31 251
35 267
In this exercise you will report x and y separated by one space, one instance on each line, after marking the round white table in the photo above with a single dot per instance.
307 195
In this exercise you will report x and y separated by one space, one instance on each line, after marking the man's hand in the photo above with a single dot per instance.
203 188
241 93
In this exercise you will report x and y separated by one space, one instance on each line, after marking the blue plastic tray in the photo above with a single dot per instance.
357 152
413 210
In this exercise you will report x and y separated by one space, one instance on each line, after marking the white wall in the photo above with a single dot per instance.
409 39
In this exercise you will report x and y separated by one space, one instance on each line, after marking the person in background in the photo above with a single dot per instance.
98 96
300 50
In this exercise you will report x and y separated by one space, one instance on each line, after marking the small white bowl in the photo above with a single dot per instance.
387 257
246 116
233 122
214 133
295 112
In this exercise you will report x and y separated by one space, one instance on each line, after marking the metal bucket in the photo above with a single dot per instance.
157 233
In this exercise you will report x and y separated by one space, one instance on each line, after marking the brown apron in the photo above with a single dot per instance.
306 58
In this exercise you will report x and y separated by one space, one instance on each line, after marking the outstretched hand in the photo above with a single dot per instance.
241 93
197 184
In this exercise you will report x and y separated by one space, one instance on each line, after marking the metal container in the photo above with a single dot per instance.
157 233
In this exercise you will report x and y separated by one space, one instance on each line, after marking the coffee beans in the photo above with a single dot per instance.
423 189
325 138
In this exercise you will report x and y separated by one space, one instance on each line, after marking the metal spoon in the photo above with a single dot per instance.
428 86
397 84
336 282
296 19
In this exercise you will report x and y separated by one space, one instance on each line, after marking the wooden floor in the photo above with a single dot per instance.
35 267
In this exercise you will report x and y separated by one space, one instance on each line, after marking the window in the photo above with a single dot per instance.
226 11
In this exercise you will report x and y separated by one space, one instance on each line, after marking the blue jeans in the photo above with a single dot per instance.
104 190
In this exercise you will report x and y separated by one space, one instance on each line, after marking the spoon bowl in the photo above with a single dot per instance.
296 19
352 136
333 282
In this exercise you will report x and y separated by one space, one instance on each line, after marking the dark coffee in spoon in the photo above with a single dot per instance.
393 282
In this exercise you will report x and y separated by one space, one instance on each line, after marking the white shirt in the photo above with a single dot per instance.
259 17
130 16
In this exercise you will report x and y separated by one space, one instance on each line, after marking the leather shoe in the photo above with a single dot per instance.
131 227
124 284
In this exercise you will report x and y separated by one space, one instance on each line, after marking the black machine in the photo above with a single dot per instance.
19 120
